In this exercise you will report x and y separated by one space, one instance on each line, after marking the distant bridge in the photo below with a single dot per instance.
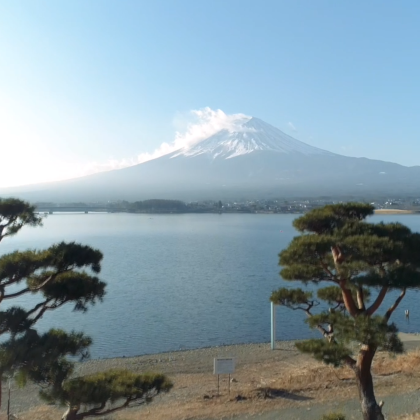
72 209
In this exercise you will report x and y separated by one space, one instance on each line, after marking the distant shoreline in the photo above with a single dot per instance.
376 212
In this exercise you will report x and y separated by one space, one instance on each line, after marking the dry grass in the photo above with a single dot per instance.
405 363
415 416
264 386
42 413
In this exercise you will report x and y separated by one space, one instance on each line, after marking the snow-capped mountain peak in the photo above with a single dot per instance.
250 135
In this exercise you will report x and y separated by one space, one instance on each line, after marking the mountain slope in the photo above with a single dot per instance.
250 136
253 160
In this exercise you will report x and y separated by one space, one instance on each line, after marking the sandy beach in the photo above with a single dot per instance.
264 382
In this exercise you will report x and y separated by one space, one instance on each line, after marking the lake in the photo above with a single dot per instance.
183 281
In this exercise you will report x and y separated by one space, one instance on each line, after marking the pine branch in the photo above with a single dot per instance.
360 298
378 301
47 308
95 413
338 306
395 305
94 410
13 279
310 304
333 277
338 257
326 334
349 302
36 307
28 289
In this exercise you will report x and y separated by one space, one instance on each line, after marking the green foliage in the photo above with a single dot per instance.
371 331
331 294
14 320
16 266
77 287
290 297
35 266
69 256
113 385
97 390
334 296
370 254
328 352
57 274
14 214
396 276
36 357
306 249
326 220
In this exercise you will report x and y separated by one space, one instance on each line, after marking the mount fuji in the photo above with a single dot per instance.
251 160
252 135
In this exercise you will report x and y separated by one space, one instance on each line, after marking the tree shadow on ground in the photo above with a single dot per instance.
268 392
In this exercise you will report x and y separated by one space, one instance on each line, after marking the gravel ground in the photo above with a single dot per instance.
396 405
252 359
170 363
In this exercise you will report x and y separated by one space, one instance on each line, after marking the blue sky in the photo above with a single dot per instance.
91 85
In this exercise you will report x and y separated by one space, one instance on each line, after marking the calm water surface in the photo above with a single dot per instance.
182 281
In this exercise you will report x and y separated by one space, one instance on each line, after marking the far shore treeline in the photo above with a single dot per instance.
279 205
178 206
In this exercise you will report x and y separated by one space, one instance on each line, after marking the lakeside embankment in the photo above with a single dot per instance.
395 211
264 382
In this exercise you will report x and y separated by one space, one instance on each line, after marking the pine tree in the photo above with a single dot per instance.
63 274
360 260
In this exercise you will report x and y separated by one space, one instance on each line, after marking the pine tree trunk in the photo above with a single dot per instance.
370 408
70 414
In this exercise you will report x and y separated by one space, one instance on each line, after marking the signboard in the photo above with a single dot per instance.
224 365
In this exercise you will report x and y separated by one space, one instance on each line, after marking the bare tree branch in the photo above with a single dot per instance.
12 280
326 268
395 305
378 301
36 307
45 309
28 289
95 413
348 300
360 298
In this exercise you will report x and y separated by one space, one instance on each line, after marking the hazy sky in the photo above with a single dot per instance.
89 85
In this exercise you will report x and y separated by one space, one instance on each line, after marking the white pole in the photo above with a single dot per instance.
273 326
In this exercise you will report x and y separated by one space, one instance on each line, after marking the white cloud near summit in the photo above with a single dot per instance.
202 123
196 125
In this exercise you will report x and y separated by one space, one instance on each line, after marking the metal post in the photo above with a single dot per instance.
229 385
8 403
273 326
